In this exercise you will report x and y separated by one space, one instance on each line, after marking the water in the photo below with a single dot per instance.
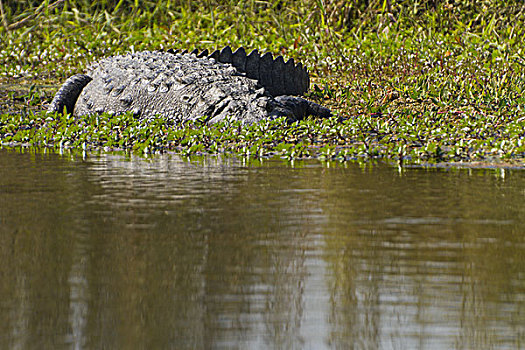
118 252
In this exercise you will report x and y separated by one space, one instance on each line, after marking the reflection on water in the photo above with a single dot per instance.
113 252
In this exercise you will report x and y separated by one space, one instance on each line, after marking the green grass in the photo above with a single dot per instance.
409 82
409 138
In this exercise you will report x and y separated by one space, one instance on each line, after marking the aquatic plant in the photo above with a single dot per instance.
431 137
410 82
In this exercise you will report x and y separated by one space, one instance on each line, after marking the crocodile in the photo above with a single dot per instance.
183 86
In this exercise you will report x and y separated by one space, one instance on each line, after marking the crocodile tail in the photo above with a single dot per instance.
67 95
278 77
274 74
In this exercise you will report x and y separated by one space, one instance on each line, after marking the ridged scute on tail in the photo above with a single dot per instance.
276 76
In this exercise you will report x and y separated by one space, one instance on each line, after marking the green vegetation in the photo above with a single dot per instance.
409 81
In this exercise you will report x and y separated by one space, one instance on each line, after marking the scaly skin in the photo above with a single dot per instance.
186 87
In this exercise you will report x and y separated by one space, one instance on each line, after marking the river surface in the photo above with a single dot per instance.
122 252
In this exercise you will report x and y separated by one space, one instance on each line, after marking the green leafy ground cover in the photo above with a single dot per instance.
411 82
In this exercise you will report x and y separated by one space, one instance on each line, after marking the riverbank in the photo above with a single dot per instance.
412 85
